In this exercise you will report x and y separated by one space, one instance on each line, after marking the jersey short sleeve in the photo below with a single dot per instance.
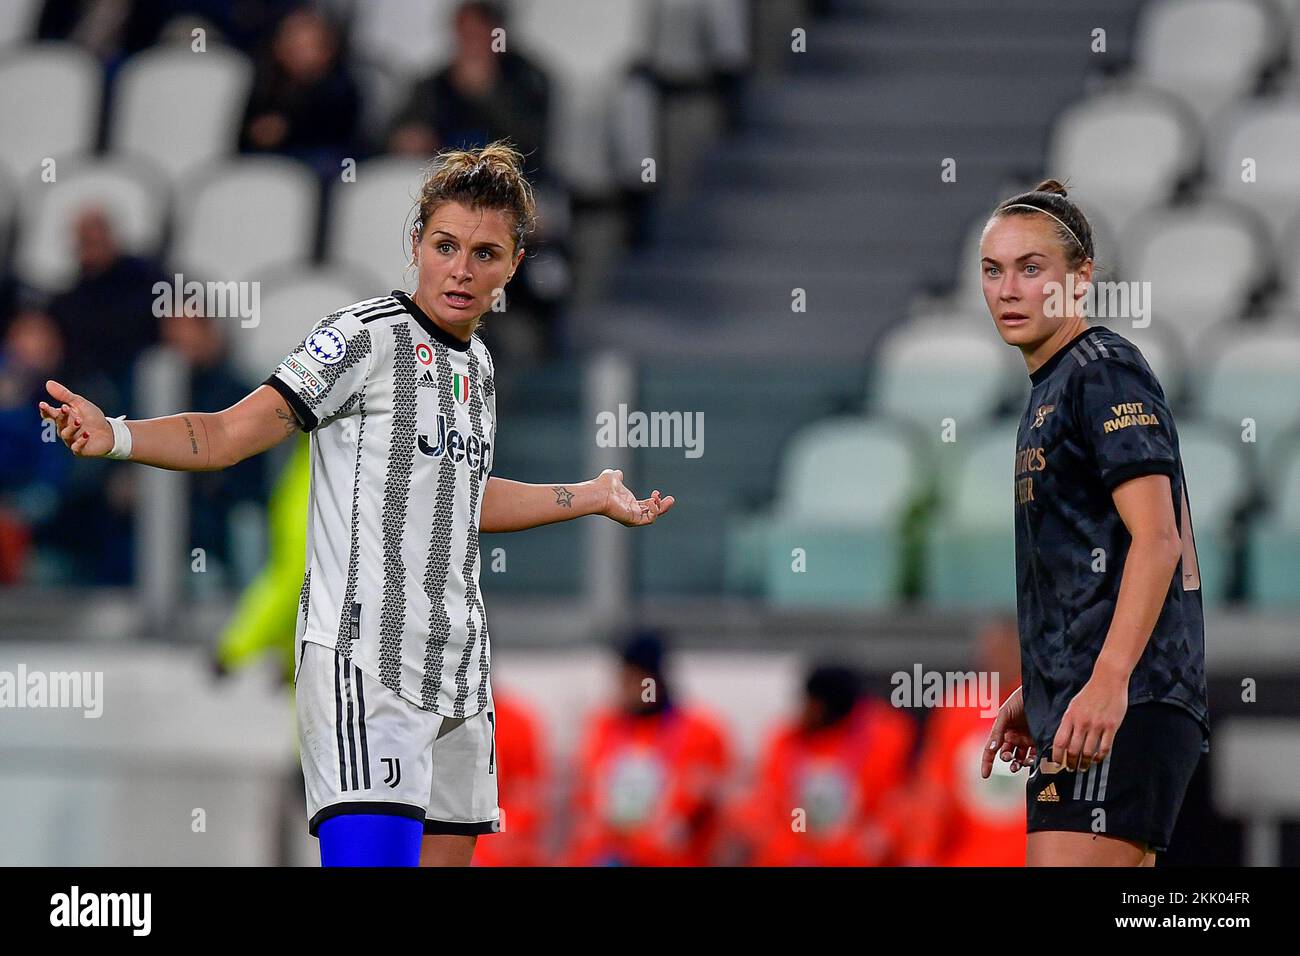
322 375
1125 421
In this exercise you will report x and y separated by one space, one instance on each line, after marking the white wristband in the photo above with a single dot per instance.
121 439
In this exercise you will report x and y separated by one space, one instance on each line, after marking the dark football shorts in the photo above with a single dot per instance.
1135 793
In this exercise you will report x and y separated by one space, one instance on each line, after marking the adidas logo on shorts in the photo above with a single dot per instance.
1048 794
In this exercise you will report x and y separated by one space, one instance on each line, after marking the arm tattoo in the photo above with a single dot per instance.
189 430
563 497
290 423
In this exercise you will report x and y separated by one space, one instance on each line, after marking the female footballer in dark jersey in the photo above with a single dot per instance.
1111 714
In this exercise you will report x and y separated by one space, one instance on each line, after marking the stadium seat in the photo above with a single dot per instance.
1273 558
1254 374
1289 267
18 19
690 39
409 36
587 49
1268 134
970 554
1123 152
129 191
927 372
750 411
179 108
239 218
370 219
844 485
1203 263
1219 483
292 301
1207 52
50 107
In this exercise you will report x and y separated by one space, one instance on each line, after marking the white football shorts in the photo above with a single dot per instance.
366 750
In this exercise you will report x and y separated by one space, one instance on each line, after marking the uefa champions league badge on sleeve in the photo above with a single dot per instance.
327 345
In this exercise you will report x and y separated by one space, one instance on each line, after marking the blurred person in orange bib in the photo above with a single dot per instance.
825 777
954 817
650 773
522 788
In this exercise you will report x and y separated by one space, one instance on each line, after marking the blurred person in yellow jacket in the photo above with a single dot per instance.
266 615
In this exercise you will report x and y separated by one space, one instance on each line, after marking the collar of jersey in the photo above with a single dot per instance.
435 331
1045 369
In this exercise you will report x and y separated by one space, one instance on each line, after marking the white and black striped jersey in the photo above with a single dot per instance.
402 416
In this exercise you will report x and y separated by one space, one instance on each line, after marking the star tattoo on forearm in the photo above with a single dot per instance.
563 497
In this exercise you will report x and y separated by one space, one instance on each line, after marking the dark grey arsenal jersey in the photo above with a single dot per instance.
1097 417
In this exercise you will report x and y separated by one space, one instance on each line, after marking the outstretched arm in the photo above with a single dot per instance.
516 506
191 441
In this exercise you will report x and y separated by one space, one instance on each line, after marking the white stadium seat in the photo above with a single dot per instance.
1202 261
409 36
692 38
129 192
1268 135
18 20
293 300
1207 52
847 470
180 108
239 218
1122 152
587 48
50 106
929 371
1252 374
370 219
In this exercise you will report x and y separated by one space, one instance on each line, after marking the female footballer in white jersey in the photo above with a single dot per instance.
395 716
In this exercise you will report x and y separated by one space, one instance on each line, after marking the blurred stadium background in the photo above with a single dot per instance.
744 215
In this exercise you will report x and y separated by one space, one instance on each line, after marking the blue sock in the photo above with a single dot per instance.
370 839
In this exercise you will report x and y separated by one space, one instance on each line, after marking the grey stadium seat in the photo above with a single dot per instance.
929 371
587 48
1123 152
371 218
1253 372
1207 52
180 108
1203 263
239 218
50 106
293 300
1269 134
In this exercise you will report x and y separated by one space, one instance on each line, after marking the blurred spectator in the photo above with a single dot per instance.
304 102
481 96
214 385
954 816
650 772
107 317
521 786
32 470
826 777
